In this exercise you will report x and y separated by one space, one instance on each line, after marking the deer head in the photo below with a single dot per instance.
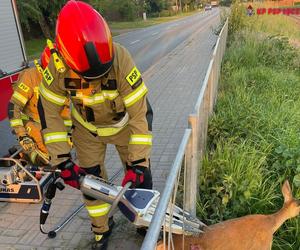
292 205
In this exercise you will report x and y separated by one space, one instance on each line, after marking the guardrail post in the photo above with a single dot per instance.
192 166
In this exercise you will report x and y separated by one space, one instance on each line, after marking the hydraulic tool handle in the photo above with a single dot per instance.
118 198
51 190
59 65
45 211
50 193
42 155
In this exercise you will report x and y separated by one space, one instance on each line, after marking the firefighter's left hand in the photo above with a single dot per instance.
136 175
27 143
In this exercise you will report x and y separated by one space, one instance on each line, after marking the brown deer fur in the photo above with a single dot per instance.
251 232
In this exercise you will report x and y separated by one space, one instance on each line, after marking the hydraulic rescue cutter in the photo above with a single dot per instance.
138 205
21 182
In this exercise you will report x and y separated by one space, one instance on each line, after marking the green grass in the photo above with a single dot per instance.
34 48
273 24
254 133
276 25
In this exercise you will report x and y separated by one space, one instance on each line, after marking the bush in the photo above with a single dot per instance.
128 10
118 10
236 18
165 13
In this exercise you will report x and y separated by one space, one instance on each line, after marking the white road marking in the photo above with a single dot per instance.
172 26
136 41
155 33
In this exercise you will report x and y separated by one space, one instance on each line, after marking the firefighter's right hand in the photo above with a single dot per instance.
70 173
27 143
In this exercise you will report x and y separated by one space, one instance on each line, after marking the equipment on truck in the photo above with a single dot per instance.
21 182
137 205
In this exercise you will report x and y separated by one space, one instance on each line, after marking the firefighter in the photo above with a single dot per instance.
109 106
23 113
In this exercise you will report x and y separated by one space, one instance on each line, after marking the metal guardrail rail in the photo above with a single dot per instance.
158 217
191 149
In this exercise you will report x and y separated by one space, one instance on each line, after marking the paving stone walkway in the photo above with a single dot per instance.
174 84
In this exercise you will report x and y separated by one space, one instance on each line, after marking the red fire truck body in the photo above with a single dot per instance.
12 60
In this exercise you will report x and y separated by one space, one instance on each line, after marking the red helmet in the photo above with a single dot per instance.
84 40
45 57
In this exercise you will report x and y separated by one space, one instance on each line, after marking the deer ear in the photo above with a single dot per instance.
287 192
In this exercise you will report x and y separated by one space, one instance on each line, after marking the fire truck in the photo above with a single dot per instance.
12 60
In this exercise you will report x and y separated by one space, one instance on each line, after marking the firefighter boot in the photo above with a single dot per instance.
101 240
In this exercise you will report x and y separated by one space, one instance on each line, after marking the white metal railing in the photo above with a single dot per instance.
191 149
158 217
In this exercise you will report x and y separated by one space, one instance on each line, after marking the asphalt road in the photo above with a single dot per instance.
147 46
150 44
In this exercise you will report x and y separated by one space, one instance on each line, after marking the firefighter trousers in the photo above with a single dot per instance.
90 149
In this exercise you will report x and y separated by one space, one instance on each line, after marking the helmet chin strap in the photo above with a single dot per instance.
95 77
90 78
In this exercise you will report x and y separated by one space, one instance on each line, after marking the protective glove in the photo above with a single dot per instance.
70 173
27 143
134 174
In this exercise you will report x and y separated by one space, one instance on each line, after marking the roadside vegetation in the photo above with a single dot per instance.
254 133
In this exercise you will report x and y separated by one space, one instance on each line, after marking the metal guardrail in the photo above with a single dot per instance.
158 217
191 148
198 120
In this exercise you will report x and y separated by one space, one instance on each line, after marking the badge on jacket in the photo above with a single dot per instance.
134 78
48 76
23 87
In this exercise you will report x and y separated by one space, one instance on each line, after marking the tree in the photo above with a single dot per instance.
43 12
156 5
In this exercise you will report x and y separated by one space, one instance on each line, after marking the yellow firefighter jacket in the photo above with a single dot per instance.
24 100
103 106
23 110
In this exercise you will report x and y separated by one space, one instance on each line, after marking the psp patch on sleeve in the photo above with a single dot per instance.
133 77
23 87
48 76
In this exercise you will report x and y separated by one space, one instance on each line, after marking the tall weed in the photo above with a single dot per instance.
254 133
237 19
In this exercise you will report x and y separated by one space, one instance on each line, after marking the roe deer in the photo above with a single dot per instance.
251 232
